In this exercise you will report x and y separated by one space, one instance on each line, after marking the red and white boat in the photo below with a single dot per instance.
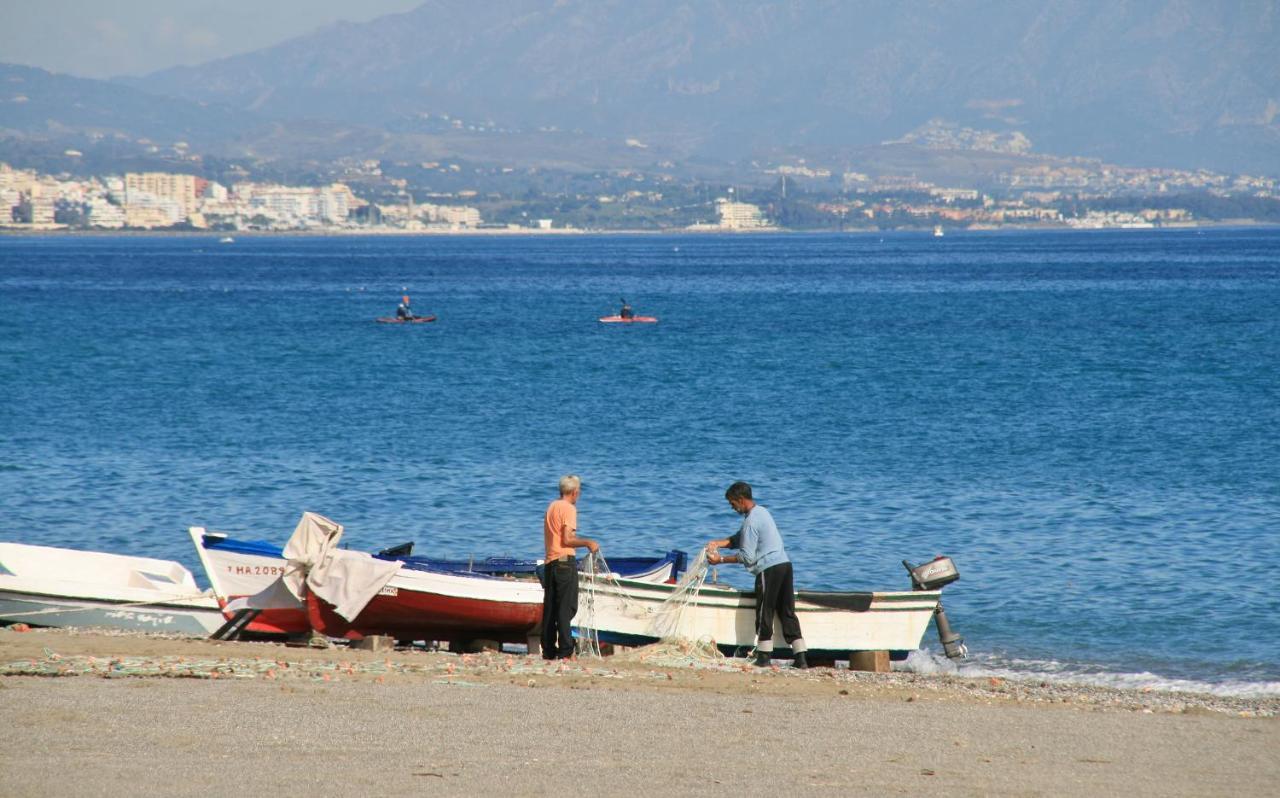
629 319
421 601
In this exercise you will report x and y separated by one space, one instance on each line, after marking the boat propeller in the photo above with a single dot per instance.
933 575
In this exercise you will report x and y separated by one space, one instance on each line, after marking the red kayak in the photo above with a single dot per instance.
414 320
632 320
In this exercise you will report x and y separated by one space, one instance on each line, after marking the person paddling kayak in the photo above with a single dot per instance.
626 311
403 311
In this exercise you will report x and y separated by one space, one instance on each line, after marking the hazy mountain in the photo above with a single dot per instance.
33 101
116 126
1162 82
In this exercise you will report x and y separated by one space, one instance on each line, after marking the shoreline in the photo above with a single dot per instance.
343 721
1242 224
87 652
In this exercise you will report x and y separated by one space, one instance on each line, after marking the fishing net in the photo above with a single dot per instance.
599 575
596 568
667 621
676 652
676 645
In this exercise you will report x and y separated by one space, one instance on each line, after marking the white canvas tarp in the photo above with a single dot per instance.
346 579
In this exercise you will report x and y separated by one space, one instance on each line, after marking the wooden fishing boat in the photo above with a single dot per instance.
432 605
48 586
426 599
835 624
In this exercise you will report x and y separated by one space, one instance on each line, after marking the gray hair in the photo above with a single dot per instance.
569 483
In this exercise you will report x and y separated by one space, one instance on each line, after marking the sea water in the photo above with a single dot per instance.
1088 423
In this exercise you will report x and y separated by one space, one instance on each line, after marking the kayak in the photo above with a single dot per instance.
632 320
415 320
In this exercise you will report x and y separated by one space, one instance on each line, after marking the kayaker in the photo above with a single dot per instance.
626 311
759 546
403 311
560 585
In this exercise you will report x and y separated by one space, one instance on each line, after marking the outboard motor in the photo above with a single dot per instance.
933 575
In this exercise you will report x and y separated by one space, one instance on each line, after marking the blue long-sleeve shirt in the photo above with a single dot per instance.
758 542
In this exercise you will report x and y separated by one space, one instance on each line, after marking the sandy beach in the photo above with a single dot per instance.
93 713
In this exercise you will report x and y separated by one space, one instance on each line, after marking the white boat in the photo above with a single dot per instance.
625 612
226 240
937 231
47 586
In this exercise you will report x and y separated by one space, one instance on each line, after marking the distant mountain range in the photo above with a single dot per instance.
604 82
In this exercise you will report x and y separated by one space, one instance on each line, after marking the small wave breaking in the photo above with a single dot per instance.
924 661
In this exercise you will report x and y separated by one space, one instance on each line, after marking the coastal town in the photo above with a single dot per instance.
372 196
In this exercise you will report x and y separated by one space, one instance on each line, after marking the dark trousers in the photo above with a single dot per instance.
559 605
776 595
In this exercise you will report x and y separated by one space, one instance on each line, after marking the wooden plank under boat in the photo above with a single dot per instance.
49 586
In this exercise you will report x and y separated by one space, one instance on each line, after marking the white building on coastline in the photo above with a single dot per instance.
147 189
297 205
104 214
740 215
457 216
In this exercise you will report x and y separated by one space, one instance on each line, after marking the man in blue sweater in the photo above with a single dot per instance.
760 549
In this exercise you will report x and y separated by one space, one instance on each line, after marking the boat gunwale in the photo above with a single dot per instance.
734 594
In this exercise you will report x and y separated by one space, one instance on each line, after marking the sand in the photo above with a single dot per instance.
343 722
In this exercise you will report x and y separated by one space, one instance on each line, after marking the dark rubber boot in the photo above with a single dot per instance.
763 659
801 661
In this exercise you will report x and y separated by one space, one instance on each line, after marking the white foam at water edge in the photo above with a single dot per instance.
923 661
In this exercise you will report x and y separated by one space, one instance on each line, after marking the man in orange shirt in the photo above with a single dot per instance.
560 587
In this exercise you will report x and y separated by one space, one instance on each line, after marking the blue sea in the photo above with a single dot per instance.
1088 423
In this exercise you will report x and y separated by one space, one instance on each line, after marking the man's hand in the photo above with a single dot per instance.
592 546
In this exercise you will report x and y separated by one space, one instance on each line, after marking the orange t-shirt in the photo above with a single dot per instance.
560 523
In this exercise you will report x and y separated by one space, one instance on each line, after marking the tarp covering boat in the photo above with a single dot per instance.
346 579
